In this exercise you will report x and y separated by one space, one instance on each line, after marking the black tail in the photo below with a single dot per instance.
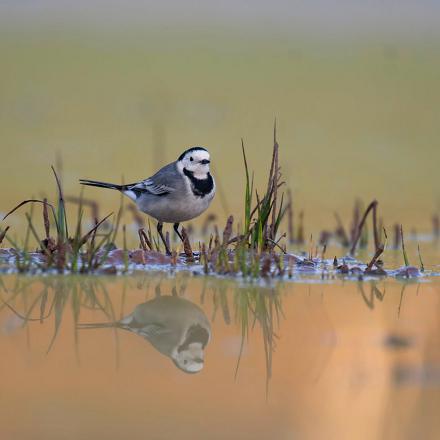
101 184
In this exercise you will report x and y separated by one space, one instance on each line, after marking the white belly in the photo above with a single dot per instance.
176 210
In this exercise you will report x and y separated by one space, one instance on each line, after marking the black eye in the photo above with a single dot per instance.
191 159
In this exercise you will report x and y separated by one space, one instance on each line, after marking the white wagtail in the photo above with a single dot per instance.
176 327
178 192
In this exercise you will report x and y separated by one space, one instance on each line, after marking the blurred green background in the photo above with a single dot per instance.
119 91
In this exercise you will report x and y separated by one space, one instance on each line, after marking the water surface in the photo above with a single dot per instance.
335 360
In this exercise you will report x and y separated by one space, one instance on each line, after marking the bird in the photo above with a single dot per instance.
178 192
176 327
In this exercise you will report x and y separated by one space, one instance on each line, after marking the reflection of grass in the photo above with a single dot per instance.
375 293
254 309
254 306
57 294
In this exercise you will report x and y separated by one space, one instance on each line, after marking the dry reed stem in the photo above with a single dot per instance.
300 235
3 234
167 239
355 220
340 231
371 206
61 256
227 232
143 245
376 255
216 237
375 228
187 246
24 202
436 226
46 219
205 259
93 230
265 267
396 242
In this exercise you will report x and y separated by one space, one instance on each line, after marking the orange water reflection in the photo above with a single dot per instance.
317 361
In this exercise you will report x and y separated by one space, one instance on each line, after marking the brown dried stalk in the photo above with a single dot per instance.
205 259
144 240
3 234
265 267
93 230
24 202
187 246
375 228
300 236
436 226
167 240
227 232
396 241
46 219
61 256
216 237
376 255
277 261
371 206
340 231
355 221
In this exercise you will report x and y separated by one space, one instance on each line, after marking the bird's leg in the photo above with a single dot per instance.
159 230
176 228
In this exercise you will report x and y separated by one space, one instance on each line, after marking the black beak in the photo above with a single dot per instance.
205 161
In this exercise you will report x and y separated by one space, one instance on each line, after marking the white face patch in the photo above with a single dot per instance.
197 162
190 360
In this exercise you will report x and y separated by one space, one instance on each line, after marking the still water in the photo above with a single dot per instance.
154 357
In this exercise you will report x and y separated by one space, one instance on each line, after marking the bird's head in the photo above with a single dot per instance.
190 359
195 160
189 356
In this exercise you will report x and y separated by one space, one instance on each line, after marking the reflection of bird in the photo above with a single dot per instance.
175 326
178 192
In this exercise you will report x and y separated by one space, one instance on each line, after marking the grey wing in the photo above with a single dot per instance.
165 181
